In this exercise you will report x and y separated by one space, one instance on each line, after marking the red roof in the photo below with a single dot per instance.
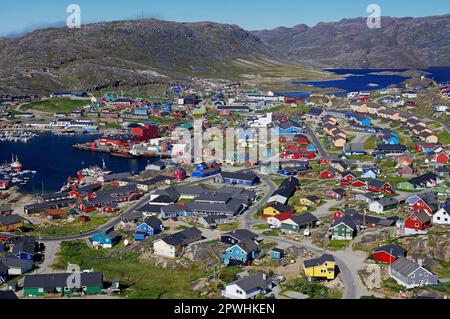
284 216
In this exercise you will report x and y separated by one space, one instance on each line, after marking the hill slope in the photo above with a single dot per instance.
134 52
400 43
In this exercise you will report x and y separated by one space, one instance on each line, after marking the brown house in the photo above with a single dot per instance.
10 223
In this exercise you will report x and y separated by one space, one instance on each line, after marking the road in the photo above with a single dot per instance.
247 220
317 143
353 288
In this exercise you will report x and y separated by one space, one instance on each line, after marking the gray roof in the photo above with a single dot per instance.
153 222
248 246
388 201
12 261
53 281
395 250
253 282
319 261
241 234
10 220
405 266
347 220
26 245
304 219
239 176
184 237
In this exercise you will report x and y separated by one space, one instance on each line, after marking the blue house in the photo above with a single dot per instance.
369 174
243 253
277 253
203 170
174 211
360 119
150 227
311 148
106 239
244 179
25 248
289 128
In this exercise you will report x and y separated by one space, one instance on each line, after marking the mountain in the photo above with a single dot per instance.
400 43
135 52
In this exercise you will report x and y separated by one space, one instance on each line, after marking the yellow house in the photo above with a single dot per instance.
310 201
323 267
300 208
373 108
339 142
359 107
276 209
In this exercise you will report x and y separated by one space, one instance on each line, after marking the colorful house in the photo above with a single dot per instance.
298 223
91 283
276 209
243 253
106 239
277 253
388 254
417 223
150 227
343 228
323 267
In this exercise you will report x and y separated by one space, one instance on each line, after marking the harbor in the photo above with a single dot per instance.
54 159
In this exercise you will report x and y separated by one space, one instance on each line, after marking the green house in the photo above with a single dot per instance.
63 284
408 187
343 228
297 224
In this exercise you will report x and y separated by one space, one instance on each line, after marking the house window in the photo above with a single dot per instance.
238 292
416 225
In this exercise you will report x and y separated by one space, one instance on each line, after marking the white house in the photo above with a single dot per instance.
248 287
442 216
440 108
382 205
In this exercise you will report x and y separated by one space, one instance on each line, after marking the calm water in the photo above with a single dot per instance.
55 160
361 79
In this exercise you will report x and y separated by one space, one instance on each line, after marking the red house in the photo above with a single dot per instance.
377 186
85 206
179 174
417 222
442 158
424 205
359 184
328 174
84 219
109 209
338 215
5 185
388 254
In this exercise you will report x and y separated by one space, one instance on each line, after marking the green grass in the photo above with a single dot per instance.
311 289
73 228
444 137
228 227
391 284
261 227
338 244
55 105
145 280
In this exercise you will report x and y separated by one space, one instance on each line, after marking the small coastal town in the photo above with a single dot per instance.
350 202
202 159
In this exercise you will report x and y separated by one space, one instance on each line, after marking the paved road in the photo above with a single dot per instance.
316 141
353 288
247 219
